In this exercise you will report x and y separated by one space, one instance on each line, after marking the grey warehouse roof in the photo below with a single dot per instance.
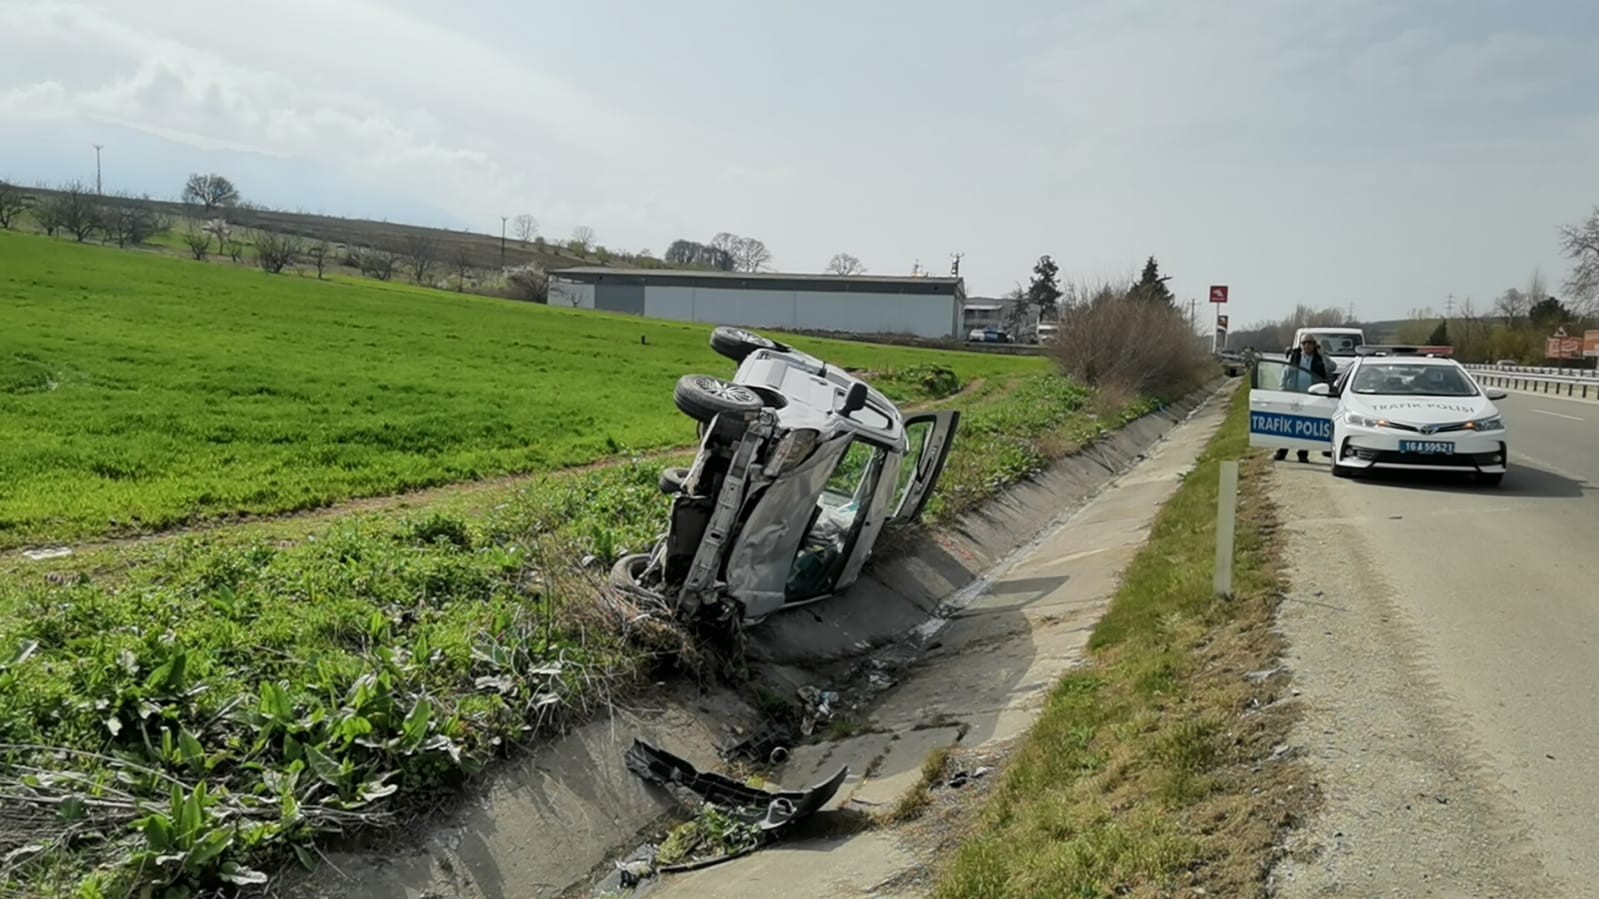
593 274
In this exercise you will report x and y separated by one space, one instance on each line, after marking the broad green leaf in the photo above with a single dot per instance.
415 727
193 752
22 654
324 767
158 832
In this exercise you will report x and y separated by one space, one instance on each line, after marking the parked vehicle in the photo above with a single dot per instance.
801 466
1392 407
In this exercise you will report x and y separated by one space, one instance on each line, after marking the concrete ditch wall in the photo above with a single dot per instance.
542 824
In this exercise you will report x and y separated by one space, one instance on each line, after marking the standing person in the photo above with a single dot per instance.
1306 366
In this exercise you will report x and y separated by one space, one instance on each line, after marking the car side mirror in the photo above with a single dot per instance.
855 400
1494 393
1322 389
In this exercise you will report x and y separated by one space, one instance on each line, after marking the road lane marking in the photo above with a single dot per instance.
1559 415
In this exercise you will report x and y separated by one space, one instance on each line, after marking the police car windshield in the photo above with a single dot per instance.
1400 379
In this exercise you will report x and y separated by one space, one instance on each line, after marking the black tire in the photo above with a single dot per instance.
673 480
703 397
737 344
1490 479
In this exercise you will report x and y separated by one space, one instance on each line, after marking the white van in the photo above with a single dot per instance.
1344 342
1047 332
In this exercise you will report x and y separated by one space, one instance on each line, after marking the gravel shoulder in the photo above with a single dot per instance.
1411 805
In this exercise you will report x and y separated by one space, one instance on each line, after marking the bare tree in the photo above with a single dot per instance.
130 221
525 227
1580 243
234 244
318 253
845 264
421 251
76 210
528 282
209 191
13 202
1512 306
462 263
275 252
377 263
582 239
198 240
747 253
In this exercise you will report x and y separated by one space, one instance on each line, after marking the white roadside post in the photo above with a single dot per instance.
1226 524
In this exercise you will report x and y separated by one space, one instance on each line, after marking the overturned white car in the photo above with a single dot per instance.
801 465
1390 408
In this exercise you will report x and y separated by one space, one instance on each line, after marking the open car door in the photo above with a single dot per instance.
929 436
1282 415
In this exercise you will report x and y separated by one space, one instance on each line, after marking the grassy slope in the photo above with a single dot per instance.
138 392
424 609
1142 775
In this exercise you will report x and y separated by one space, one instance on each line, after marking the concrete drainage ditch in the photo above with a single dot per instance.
551 823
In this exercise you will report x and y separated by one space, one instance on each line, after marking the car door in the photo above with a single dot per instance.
1282 415
929 436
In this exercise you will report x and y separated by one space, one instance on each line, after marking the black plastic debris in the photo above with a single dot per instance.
771 812
767 746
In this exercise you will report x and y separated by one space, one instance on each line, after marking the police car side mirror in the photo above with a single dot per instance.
1494 393
1320 390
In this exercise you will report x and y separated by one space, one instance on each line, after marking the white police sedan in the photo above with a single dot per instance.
1387 409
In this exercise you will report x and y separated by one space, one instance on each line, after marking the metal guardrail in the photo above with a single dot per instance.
1579 373
1578 386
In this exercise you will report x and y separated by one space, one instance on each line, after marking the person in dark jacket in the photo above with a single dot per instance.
1306 366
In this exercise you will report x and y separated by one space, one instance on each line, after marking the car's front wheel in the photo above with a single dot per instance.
737 344
703 397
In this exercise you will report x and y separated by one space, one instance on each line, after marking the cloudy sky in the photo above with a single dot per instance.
1374 152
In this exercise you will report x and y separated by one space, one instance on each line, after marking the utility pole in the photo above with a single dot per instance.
1192 303
97 190
955 264
1449 306
502 241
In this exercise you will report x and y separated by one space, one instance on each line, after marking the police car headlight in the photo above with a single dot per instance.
1364 421
1488 424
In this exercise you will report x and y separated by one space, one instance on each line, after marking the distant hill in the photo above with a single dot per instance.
483 251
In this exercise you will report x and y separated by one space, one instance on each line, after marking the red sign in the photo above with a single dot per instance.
1218 293
1562 348
1221 321
1590 343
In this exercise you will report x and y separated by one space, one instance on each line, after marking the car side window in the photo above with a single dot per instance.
1275 374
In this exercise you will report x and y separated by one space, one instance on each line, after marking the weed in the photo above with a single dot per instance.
1136 779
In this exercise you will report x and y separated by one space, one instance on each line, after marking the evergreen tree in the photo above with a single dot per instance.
1044 290
1152 285
1439 335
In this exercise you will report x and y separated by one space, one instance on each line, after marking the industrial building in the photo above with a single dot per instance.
857 304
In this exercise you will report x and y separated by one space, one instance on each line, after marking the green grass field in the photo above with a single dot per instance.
140 392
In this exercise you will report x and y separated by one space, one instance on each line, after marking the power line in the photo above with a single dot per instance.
1449 306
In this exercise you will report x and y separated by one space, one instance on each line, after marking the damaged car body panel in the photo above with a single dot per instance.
801 465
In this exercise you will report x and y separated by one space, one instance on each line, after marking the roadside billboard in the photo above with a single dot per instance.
1590 342
1563 348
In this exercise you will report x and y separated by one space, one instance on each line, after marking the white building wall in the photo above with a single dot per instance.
571 294
859 312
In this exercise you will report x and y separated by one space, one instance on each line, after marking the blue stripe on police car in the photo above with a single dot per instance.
1301 427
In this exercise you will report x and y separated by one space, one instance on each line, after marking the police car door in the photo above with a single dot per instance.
1282 415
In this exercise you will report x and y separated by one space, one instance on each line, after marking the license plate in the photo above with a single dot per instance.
1427 447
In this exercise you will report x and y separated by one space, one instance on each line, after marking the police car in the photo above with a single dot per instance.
1391 407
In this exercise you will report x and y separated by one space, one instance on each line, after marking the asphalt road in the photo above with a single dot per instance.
1446 640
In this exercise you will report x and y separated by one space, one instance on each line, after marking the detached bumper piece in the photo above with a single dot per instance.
770 814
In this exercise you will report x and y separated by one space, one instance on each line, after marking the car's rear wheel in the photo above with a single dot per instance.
674 481
703 397
1490 479
628 570
737 344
